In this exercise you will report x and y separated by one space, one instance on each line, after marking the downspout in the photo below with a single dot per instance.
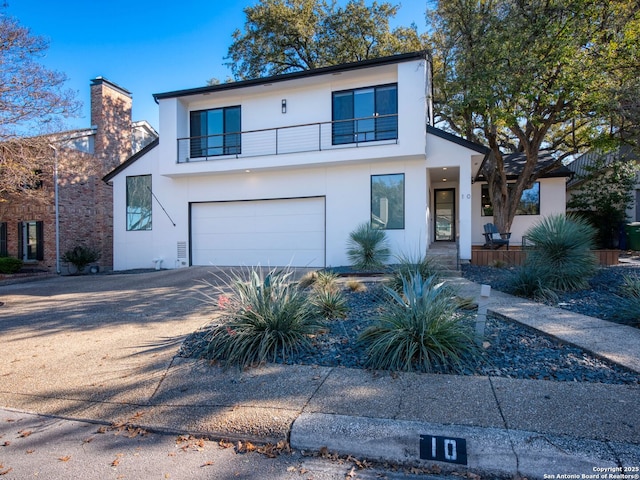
57 206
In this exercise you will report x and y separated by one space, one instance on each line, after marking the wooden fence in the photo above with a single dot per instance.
516 256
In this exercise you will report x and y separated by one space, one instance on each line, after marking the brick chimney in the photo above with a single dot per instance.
111 116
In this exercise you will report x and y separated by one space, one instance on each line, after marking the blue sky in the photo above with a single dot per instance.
144 46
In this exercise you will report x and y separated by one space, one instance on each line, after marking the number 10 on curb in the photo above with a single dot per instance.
443 449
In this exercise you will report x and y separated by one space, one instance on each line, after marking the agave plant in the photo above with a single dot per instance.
266 317
419 329
367 248
409 265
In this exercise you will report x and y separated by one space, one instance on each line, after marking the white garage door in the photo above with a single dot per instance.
269 233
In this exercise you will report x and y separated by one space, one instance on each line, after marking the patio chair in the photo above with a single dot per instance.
495 239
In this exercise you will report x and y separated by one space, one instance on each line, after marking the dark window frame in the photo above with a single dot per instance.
393 210
4 245
349 128
28 253
486 208
145 222
230 137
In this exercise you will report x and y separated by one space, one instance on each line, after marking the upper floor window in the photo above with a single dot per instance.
529 201
365 114
215 132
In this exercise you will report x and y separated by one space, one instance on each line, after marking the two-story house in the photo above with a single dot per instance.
278 171
74 206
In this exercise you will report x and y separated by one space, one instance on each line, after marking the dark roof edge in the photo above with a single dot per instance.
115 86
476 147
374 62
107 178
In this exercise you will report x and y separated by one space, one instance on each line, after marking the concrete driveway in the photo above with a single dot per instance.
68 342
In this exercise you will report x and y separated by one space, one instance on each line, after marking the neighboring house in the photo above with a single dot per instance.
40 230
546 197
278 171
579 168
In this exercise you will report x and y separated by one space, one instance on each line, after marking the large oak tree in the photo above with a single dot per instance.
281 36
528 75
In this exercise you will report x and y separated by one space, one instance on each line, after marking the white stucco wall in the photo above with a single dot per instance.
552 201
309 101
346 189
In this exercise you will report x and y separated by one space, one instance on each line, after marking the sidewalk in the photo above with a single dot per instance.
528 427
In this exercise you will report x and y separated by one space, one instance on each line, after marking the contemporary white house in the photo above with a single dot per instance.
278 171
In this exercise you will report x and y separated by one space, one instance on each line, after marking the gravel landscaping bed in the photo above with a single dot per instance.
511 350
602 300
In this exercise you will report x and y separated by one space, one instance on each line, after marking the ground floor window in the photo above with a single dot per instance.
529 201
139 211
31 241
387 201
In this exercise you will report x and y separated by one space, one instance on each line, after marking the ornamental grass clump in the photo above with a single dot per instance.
368 248
562 254
419 329
327 297
630 292
264 318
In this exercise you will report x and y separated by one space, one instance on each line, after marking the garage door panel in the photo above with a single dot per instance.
265 232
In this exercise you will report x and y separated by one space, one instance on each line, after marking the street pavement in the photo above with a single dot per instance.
100 350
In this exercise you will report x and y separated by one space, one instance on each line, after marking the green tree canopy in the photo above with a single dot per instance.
282 36
525 75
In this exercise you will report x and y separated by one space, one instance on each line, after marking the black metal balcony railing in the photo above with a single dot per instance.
310 137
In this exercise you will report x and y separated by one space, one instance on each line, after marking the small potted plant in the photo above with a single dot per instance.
81 256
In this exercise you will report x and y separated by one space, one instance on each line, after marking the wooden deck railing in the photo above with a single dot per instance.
516 256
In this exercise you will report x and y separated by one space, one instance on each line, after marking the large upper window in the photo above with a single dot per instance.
387 201
139 202
529 201
365 114
215 132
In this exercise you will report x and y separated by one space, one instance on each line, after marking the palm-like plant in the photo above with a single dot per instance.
367 247
409 265
419 329
562 252
267 317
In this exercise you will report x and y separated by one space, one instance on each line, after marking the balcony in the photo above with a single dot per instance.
310 137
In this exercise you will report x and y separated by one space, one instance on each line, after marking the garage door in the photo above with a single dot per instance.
266 232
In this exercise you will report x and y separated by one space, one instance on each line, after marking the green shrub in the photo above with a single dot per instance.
419 329
367 248
562 252
10 265
266 317
81 256
409 266
530 281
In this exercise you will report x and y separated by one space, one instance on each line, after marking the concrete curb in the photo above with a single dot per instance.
490 451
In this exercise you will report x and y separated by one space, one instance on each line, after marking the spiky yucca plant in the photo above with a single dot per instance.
419 330
562 252
266 317
367 247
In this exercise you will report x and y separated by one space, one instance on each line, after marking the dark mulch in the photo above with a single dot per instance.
512 350
602 300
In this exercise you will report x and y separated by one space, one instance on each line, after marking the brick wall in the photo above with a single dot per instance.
85 201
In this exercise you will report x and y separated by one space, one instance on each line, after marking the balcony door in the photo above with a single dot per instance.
445 217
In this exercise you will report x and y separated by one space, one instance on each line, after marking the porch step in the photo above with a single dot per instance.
445 255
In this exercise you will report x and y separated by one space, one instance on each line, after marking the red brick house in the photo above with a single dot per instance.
39 229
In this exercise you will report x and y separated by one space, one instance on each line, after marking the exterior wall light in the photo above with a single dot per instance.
284 105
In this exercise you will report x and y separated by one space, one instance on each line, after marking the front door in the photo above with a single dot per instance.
445 218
